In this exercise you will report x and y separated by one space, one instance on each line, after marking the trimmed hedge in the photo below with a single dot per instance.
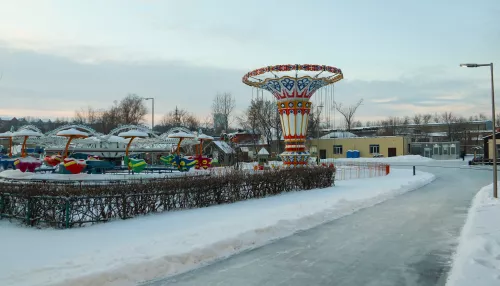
70 205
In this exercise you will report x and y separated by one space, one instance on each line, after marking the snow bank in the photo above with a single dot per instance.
128 251
405 158
477 260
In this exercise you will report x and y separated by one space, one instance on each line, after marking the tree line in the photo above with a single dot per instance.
260 117
132 110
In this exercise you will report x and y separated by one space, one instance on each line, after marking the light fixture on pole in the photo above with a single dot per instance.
493 133
152 111
317 145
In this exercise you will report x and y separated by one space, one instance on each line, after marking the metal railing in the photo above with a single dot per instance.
357 170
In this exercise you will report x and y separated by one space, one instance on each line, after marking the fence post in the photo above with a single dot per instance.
124 207
387 169
1 206
66 211
413 170
28 212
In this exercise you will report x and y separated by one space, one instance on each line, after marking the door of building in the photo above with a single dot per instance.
427 152
391 152
322 154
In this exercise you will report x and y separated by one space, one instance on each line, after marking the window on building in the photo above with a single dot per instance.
436 150
374 149
313 150
445 149
337 149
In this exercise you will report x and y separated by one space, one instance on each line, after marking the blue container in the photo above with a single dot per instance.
356 154
7 163
350 154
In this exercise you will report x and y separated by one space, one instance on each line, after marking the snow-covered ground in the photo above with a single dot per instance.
477 260
127 251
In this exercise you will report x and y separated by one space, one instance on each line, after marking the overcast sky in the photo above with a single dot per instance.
400 56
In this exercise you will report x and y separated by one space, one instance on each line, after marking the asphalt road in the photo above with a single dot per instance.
407 240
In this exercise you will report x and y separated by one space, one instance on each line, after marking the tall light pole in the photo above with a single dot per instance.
317 145
152 111
494 139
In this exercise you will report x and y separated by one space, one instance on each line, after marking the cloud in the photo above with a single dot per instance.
420 93
45 83
384 100
36 84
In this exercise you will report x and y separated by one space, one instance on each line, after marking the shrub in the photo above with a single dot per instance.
64 205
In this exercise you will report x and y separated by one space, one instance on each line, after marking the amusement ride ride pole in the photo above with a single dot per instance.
10 147
23 148
179 146
65 154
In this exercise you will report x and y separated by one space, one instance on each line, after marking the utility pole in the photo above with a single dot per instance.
493 131
152 111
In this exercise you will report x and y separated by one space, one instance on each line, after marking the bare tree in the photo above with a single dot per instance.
207 123
89 115
111 118
357 123
262 117
348 112
222 109
191 122
392 126
451 122
437 117
132 109
417 119
426 118
250 121
178 118
313 125
264 111
459 129
404 126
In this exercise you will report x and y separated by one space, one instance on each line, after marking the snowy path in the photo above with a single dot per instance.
404 241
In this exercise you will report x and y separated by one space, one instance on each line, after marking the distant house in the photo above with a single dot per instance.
221 152
488 145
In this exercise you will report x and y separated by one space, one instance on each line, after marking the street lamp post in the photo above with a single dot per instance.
317 145
152 111
495 184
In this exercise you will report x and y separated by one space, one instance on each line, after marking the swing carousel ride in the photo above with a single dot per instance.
293 86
